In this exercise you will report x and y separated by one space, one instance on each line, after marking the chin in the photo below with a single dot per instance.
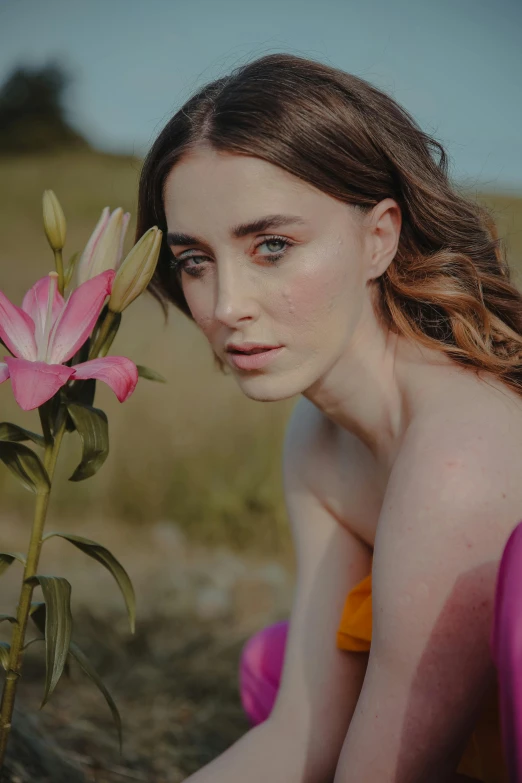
268 388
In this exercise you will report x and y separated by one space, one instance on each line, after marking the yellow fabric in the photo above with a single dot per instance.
483 756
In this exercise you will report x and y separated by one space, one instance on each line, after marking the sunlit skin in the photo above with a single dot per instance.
315 300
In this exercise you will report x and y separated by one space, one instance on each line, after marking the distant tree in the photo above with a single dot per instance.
32 115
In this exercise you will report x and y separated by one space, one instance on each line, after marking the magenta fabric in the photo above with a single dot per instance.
506 650
260 670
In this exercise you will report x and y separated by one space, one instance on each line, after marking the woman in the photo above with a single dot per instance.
306 214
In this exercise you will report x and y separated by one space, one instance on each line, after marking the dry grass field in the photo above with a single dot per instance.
190 500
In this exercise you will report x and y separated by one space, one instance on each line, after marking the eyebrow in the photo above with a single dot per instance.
242 230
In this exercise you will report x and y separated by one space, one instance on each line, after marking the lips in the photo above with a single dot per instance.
251 347
253 350
255 358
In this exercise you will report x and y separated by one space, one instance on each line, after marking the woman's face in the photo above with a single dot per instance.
300 284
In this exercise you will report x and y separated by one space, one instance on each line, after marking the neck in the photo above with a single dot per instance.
366 391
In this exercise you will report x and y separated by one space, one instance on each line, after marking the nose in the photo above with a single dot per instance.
234 299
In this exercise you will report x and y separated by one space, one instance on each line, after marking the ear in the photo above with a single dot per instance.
383 229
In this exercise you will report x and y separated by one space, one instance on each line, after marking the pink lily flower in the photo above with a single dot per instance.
104 250
47 331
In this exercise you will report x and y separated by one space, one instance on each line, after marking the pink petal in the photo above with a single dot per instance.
35 305
17 329
35 382
118 372
4 372
79 316
85 262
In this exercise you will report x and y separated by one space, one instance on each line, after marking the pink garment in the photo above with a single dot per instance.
506 650
260 670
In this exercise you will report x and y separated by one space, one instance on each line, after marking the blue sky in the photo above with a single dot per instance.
456 65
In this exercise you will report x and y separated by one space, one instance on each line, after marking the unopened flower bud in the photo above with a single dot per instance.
104 249
108 251
54 220
135 272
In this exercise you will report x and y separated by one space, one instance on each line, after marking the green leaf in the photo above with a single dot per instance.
84 391
6 558
107 559
80 391
58 627
26 466
13 432
37 613
152 375
8 617
95 677
93 428
5 649
51 410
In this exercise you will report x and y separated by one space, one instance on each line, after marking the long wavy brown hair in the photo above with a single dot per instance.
449 286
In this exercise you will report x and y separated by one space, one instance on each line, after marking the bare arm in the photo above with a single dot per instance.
302 739
264 753
450 506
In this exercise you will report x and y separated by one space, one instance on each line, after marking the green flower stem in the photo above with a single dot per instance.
58 259
102 335
17 642
107 345
45 419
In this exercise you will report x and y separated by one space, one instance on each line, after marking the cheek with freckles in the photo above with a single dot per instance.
317 300
205 322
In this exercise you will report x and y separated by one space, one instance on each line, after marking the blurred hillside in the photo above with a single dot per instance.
32 111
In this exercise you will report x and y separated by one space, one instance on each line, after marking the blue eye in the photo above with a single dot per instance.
178 264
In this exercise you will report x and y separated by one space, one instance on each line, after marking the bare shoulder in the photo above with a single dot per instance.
454 495
307 439
464 450
307 451
331 458
469 419
461 396
337 470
